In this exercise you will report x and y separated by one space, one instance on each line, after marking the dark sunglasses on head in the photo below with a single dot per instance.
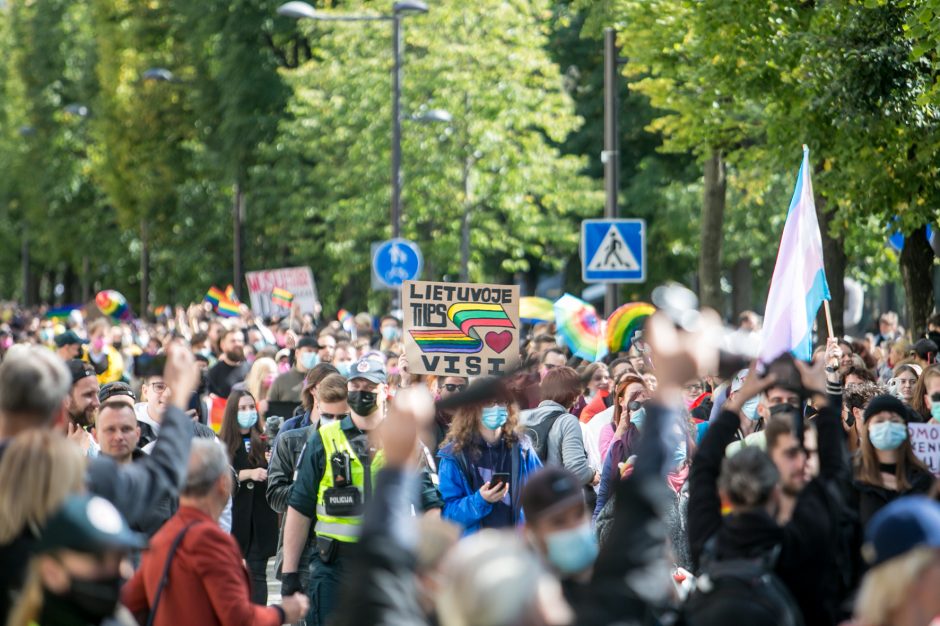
451 388
334 416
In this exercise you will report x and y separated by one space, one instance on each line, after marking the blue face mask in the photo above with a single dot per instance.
637 417
247 419
572 551
494 416
343 368
887 435
309 360
390 333
935 411
750 409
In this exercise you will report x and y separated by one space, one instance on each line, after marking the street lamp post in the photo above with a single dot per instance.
302 10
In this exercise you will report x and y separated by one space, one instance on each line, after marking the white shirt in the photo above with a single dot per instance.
591 433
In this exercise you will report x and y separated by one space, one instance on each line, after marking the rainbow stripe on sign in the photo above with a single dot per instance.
467 316
446 341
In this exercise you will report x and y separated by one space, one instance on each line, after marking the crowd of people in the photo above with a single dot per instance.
149 472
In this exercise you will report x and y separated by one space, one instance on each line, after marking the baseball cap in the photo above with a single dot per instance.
118 388
89 524
886 403
68 338
79 370
900 526
548 490
369 369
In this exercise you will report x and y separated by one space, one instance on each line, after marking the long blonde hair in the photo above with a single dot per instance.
254 382
39 469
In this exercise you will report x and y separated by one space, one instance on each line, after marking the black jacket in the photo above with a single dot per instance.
807 561
254 523
868 499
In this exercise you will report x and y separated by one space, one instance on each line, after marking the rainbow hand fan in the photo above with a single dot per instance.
578 324
624 322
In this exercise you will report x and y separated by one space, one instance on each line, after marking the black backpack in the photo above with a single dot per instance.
741 591
538 434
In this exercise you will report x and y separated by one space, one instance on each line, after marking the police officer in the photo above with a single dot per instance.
335 477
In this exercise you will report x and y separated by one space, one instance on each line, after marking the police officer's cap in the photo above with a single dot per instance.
370 369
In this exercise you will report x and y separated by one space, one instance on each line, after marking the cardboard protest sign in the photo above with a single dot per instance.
925 439
298 281
460 329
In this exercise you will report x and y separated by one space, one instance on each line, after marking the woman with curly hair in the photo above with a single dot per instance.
484 463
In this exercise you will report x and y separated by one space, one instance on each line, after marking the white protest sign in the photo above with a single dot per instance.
925 440
297 280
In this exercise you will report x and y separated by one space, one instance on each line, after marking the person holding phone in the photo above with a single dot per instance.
484 463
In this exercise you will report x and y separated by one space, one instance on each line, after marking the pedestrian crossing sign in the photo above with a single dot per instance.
613 251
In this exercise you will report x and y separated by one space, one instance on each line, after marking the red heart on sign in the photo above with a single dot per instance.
498 341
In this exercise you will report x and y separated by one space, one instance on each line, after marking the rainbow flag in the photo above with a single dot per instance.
281 297
580 327
467 317
227 308
214 296
61 313
230 295
344 316
533 310
624 322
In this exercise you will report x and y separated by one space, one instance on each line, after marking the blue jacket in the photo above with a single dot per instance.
467 507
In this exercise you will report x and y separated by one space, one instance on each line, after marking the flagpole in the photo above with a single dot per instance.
828 319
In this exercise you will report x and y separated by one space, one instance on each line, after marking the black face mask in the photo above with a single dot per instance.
362 403
94 599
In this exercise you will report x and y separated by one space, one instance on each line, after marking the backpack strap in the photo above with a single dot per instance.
166 571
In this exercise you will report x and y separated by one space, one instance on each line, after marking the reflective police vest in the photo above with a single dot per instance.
339 507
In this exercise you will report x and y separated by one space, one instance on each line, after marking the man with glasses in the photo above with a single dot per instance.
155 395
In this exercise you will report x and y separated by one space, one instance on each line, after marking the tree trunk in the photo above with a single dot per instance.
238 238
834 260
713 215
917 276
144 270
741 287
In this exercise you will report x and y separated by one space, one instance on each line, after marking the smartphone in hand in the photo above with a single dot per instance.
499 479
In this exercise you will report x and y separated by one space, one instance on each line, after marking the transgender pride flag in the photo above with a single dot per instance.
799 285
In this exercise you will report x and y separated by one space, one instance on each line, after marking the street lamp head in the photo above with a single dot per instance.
297 10
409 6
158 73
435 115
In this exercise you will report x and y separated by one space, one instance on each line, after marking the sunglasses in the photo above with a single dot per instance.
451 388
334 416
